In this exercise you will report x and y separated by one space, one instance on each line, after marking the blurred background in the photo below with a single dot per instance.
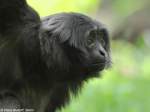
126 86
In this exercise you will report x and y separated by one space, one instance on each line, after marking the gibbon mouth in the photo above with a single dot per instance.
95 67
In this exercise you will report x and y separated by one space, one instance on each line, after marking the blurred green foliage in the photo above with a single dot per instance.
126 7
123 88
46 7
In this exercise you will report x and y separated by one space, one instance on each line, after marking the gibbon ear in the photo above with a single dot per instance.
56 28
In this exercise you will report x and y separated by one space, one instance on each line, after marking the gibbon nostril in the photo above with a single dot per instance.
102 53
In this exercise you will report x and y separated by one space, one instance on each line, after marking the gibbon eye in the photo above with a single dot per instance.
101 38
90 41
102 42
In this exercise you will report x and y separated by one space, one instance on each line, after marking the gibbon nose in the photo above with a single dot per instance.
102 53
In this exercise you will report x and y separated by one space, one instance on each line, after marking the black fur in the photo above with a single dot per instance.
41 61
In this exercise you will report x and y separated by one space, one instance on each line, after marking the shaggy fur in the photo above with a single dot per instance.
41 61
